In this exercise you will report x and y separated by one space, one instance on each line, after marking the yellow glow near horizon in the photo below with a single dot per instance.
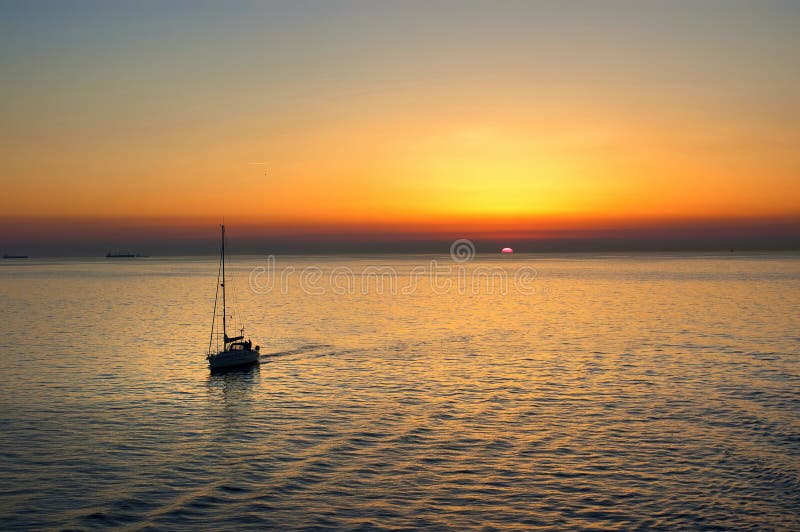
366 172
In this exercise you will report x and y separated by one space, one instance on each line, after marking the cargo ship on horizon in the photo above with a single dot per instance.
111 255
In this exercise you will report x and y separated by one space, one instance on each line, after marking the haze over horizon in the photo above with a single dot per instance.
322 127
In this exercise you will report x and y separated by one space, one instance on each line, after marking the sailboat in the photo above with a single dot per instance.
236 351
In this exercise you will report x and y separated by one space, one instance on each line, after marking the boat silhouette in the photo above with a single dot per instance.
236 351
111 255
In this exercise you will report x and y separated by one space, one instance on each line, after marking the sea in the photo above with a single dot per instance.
649 391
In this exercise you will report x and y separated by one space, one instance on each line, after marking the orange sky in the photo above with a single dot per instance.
470 117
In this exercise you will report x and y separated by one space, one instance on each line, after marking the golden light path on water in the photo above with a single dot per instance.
652 391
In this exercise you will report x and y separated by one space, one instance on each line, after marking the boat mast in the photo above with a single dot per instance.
224 309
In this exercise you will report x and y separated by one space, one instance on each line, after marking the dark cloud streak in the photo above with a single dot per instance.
40 237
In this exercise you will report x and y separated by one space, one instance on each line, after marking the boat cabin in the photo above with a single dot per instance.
245 345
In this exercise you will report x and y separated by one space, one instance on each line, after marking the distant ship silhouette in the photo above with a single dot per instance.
110 255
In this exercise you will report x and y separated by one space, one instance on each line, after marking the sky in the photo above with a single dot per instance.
316 126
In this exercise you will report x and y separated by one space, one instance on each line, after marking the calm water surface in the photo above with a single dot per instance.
621 392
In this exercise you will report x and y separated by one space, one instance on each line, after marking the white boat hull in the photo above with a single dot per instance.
230 359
